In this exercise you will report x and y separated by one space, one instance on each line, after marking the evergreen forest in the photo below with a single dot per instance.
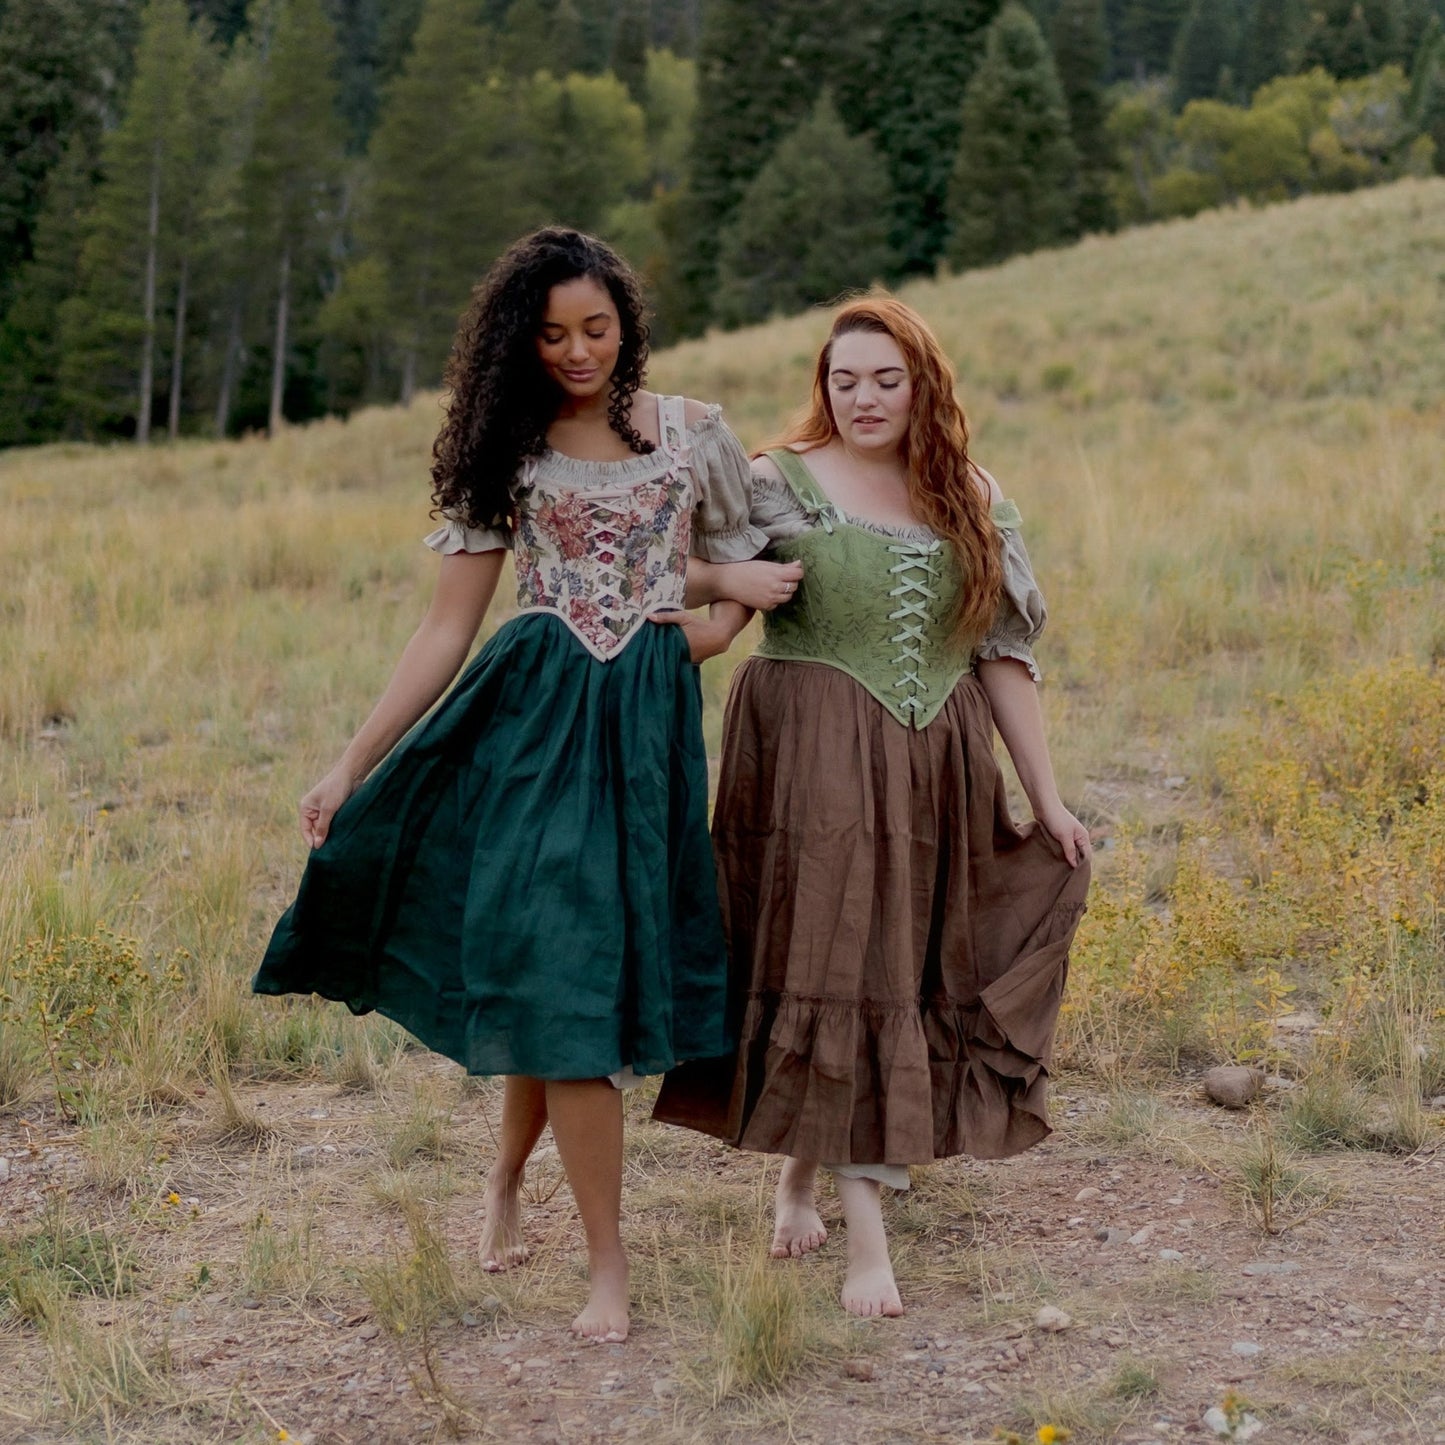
217 217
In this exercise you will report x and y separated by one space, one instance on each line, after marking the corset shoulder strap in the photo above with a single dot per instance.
672 425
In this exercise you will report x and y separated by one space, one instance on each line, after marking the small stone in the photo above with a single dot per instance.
491 1304
934 1367
1271 1266
250 1304
534 1364
1245 1349
4 1167
1141 1236
1051 1319
1115 1339
1216 1421
1087 1193
1174 783
664 1389
1171 1256
368 1332
1110 1235
1232 1085
1437 1104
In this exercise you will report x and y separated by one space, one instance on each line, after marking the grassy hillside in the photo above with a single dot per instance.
1225 437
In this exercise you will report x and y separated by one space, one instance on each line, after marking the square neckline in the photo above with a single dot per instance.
903 530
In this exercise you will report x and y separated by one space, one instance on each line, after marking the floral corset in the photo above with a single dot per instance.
602 556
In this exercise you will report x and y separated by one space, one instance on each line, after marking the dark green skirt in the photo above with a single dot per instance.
526 883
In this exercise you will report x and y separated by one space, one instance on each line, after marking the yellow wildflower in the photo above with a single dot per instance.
173 1197
1052 1435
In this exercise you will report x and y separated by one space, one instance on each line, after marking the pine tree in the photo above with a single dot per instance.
1202 66
586 146
290 181
1427 89
542 35
1146 33
228 272
32 405
629 48
899 68
1080 43
1351 38
1013 184
53 83
675 26
814 222
435 215
759 71
357 24
1271 42
140 233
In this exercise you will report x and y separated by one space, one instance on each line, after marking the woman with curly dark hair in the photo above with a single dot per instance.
526 881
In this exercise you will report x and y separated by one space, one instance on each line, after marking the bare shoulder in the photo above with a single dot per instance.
988 488
695 411
765 466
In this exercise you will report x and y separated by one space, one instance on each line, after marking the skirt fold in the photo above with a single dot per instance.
526 882
898 946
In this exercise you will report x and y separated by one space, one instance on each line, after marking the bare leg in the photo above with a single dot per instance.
869 1287
586 1119
797 1226
524 1116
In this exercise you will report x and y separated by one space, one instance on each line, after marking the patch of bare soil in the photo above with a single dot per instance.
257 1300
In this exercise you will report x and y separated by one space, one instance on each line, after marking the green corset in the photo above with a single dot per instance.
877 607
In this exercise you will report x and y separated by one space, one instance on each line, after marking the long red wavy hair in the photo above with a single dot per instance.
944 486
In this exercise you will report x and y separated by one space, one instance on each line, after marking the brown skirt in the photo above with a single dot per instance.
897 945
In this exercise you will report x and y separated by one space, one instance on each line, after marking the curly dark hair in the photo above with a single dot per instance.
501 400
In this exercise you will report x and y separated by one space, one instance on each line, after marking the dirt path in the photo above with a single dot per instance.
256 1263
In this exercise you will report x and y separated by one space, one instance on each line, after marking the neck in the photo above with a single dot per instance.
888 464
575 408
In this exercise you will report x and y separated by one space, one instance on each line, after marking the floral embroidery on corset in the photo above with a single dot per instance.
603 557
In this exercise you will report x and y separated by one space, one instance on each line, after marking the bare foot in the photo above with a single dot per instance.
502 1243
798 1228
605 1320
871 1291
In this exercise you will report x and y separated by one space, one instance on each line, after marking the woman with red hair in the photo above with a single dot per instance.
898 944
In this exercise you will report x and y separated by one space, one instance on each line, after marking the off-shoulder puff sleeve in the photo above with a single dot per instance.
1021 613
455 536
722 530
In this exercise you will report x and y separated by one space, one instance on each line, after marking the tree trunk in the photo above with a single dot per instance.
178 346
228 370
148 336
278 359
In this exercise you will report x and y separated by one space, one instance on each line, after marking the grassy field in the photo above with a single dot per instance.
1225 437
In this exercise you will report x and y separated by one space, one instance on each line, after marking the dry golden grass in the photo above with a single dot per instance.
1224 437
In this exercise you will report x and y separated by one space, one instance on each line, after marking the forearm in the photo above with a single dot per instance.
428 662
430 659
732 616
1014 700
702 586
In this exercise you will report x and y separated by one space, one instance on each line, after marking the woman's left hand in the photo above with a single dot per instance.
1068 832
706 636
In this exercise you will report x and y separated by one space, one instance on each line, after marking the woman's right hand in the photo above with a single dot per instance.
319 806
759 585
